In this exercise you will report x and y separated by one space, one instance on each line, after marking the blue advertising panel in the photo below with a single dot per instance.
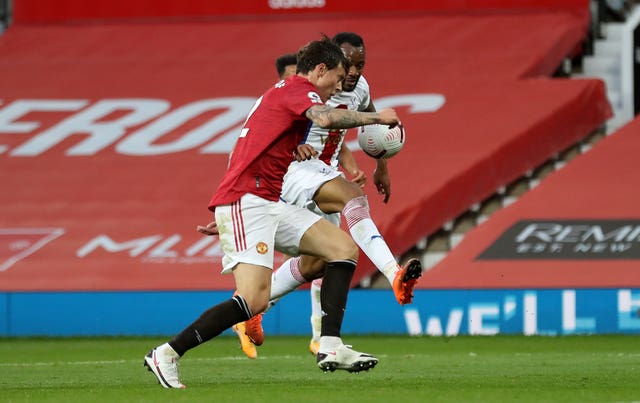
433 313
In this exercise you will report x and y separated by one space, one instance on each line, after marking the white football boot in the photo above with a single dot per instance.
343 357
163 362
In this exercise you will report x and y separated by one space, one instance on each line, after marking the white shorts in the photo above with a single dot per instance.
252 228
302 181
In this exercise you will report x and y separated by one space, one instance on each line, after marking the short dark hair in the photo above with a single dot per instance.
321 51
351 38
283 61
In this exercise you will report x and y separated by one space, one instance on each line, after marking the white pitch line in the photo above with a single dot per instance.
52 363
106 362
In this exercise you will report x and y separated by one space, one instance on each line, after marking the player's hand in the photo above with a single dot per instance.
210 229
389 117
304 152
358 176
382 181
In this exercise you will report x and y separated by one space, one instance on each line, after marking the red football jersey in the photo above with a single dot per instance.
275 126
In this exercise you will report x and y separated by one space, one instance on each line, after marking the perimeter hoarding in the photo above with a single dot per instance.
550 312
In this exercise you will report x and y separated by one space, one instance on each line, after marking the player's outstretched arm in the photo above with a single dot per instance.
350 166
382 180
330 118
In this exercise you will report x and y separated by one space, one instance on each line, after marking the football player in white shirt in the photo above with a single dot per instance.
320 186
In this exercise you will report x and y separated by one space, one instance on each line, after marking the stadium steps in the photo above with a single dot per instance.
434 248
606 63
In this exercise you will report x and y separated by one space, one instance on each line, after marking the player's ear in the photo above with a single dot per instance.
321 69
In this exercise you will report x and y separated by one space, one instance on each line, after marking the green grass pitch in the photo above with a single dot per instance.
411 369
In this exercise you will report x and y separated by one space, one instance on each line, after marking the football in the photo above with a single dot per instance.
380 141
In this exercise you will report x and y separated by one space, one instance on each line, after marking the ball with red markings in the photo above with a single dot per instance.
380 141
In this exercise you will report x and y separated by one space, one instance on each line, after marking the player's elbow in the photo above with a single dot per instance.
324 122
322 116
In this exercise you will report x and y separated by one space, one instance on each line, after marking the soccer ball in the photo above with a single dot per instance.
379 141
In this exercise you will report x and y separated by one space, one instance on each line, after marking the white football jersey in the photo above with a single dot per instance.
328 142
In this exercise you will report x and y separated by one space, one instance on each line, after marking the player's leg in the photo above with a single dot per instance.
333 245
296 271
338 195
293 222
316 316
293 273
253 282
251 260
250 331
285 279
303 232
299 185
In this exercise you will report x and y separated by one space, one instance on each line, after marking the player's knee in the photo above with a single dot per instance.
356 209
256 302
345 249
311 267
353 191
258 306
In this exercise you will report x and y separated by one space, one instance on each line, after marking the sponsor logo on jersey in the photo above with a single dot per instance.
314 97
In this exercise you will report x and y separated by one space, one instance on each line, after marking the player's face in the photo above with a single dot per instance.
356 56
330 82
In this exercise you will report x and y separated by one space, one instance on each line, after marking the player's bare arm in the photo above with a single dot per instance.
350 166
381 178
330 118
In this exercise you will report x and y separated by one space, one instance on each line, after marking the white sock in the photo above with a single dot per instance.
286 278
365 233
329 343
316 309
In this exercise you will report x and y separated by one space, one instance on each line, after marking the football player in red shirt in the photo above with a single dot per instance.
320 186
252 221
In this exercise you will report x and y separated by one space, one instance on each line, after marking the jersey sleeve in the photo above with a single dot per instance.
365 93
300 96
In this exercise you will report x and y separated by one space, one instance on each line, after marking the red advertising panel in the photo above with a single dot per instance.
113 137
48 11
579 228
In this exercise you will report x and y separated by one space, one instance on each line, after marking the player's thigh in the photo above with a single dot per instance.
332 196
293 222
304 178
247 232
328 242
